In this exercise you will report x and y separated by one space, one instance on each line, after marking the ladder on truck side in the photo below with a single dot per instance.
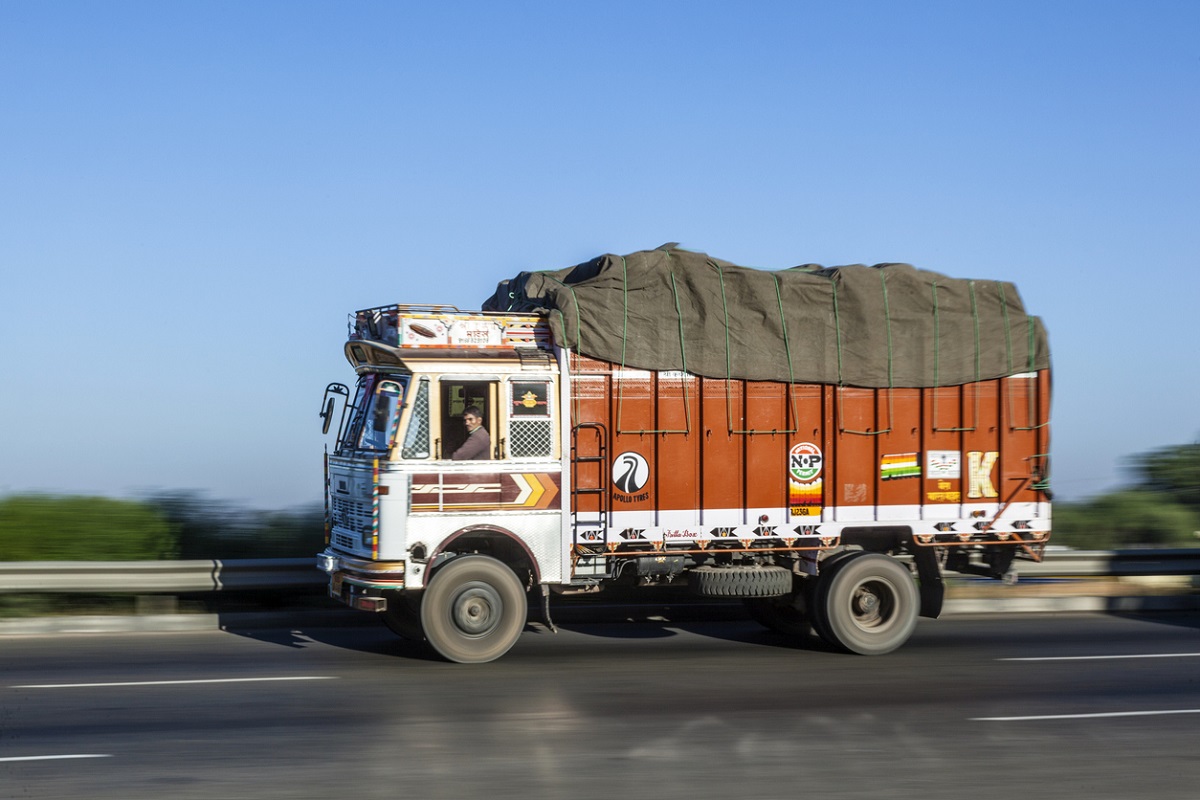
589 529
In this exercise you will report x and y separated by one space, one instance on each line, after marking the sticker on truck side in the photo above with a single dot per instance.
805 463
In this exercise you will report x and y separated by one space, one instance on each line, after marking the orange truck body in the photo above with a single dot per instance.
772 464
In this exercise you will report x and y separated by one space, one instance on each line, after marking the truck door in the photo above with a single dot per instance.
515 492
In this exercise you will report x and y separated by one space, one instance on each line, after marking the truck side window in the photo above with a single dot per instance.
416 440
456 397
530 423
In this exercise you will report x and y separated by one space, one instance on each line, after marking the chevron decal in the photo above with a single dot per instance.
487 491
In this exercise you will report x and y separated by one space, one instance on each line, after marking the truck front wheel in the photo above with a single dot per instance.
473 610
867 604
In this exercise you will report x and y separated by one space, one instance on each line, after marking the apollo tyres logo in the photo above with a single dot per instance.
630 474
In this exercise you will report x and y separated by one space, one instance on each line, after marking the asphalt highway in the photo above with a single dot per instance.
1069 706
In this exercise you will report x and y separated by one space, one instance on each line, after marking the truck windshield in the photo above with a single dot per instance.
377 405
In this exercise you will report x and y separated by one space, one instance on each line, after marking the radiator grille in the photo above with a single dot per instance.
353 516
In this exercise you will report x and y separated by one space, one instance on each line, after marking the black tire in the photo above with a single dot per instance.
740 581
827 567
473 610
786 615
403 618
867 604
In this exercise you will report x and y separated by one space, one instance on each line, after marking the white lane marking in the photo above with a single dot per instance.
1103 658
1089 716
171 683
55 758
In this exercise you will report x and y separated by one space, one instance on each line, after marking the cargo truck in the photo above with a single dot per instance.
823 444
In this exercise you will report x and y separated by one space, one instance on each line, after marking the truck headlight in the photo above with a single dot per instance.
327 563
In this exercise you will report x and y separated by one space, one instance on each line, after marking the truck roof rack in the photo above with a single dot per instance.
426 327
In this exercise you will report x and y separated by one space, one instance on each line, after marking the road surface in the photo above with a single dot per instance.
1079 706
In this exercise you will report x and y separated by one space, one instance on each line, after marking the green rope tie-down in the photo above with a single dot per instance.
1043 483
578 344
1008 351
1031 361
578 336
1030 389
937 341
687 406
887 315
1030 393
795 417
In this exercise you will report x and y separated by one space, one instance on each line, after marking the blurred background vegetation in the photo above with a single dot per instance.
1161 508
183 525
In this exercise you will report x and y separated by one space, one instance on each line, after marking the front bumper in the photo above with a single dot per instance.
359 582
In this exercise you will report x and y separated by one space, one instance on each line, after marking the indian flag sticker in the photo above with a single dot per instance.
900 465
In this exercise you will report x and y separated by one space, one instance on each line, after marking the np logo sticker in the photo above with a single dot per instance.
804 462
805 489
630 474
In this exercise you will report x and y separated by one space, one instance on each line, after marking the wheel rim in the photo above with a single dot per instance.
873 605
477 609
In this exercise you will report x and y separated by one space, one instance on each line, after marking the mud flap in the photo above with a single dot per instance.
929 580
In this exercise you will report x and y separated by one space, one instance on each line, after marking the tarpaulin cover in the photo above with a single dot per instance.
889 325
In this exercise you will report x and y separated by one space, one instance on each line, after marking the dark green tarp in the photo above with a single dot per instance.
880 326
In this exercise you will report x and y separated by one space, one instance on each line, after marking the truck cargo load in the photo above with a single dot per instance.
881 326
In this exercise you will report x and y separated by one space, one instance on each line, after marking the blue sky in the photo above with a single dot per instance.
194 194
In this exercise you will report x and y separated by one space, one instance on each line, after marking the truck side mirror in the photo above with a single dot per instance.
329 402
327 416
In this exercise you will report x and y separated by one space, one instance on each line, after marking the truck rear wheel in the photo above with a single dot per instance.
473 610
866 604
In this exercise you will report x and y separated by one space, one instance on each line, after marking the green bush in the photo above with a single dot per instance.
1129 518
56 528
214 529
1172 470
178 525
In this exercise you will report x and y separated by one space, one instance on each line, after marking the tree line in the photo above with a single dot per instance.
173 525
1161 508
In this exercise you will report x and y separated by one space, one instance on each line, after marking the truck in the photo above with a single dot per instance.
823 444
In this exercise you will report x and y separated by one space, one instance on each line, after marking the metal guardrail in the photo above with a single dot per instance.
239 575
1112 563
160 577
